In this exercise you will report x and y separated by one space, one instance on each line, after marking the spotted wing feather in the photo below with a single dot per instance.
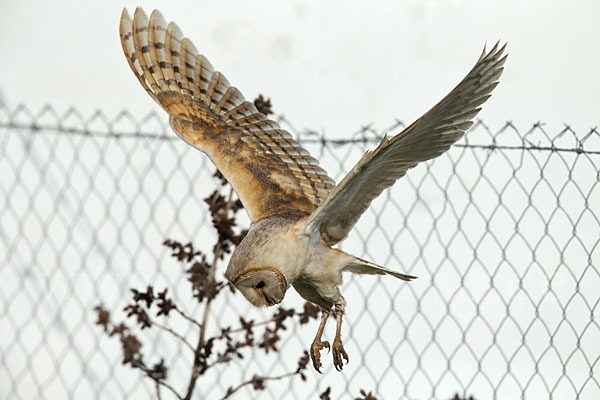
268 169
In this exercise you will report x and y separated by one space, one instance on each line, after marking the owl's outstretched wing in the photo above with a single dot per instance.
268 169
426 138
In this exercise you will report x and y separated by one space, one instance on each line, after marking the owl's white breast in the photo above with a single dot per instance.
279 242
287 250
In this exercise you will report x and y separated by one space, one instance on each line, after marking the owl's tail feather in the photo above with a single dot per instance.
182 81
360 266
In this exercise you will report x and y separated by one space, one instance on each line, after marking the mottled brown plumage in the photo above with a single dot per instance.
268 169
296 211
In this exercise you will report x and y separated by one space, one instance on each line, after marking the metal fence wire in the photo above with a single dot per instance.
503 232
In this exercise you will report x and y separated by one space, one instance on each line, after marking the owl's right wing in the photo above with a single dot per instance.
268 169
426 138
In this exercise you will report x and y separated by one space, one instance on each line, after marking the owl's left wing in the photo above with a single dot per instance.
426 138
268 169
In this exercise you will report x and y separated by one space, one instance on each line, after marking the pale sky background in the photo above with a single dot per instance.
327 65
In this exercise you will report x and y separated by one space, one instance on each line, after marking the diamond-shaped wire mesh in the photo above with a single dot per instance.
503 231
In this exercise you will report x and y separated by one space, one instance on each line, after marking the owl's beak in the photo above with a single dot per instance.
270 302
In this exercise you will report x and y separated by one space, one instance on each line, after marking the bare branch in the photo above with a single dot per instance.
172 332
257 380
157 387
160 382
187 317
242 329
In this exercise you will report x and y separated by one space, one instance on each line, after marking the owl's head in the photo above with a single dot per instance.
262 286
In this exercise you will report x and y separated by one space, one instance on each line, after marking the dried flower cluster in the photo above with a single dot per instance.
263 105
130 344
457 397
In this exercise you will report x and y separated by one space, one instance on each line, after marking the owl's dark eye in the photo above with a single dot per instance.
260 284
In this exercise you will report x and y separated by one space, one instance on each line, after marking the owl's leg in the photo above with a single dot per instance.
338 348
317 344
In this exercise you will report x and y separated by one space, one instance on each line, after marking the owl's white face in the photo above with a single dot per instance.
262 286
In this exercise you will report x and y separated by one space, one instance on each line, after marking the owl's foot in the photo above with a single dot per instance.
315 353
338 353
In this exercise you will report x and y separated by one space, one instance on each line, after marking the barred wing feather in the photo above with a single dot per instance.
268 169
427 138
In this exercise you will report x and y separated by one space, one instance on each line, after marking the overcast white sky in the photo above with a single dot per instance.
327 65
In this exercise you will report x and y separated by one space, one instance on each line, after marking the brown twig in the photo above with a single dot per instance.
257 380
172 332
166 385
187 317
242 329
161 383
157 387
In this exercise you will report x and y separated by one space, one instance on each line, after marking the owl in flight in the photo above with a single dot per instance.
297 211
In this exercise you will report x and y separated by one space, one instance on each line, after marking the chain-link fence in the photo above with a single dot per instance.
503 231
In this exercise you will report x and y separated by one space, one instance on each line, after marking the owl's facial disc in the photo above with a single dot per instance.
262 286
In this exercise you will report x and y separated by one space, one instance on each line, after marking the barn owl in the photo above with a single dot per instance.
297 211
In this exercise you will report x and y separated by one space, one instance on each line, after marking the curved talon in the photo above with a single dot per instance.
338 353
315 353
